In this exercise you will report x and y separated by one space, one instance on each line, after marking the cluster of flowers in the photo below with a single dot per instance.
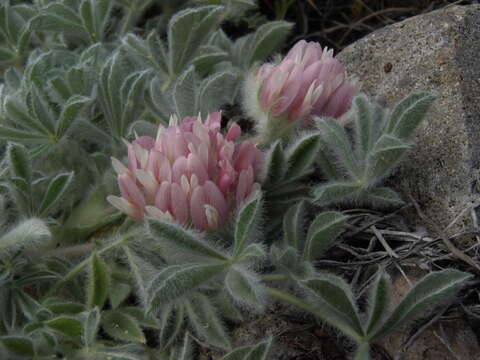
193 174
190 173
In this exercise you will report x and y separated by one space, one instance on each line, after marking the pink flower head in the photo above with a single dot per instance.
190 174
308 81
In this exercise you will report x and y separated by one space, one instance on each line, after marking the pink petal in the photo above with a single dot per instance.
197 208
179 204
145 142
234 131
163 197
179 168
340 101
130 191
215 198
245 154
195 166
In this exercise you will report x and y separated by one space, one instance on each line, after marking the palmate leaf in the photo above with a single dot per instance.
175 281
385 155
205 320
333 298
431 290
245 288
183 241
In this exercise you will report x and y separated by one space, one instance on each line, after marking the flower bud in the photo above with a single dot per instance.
307 82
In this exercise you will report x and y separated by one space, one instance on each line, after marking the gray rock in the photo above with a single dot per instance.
437 52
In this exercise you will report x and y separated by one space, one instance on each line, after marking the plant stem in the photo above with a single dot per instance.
77 269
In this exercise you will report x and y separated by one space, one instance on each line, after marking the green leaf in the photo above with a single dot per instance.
335 192
65 307
245 288
267 39
431 290
336 139
275 164
121 293
187 31
379 302
206 322
66 325
59 18
293 221
171 322
381 197
70 112
333 298
408 114
217 90
19 162
6 55
205 62
57 187
17 113
321 233
364 125
185 94
386 154
19 345
98 284
144 320
122 327
91 325
41 109
302 155
177 280
10 134
246 224
182 240
132 91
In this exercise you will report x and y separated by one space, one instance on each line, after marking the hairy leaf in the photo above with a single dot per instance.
321 233
98 282
122 326
429 291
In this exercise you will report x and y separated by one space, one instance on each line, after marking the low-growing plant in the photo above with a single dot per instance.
213 217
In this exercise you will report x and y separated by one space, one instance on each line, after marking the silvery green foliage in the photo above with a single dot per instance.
330 298
355 167
196 268
15 32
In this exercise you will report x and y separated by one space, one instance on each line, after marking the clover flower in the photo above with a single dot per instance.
190 174
307 82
